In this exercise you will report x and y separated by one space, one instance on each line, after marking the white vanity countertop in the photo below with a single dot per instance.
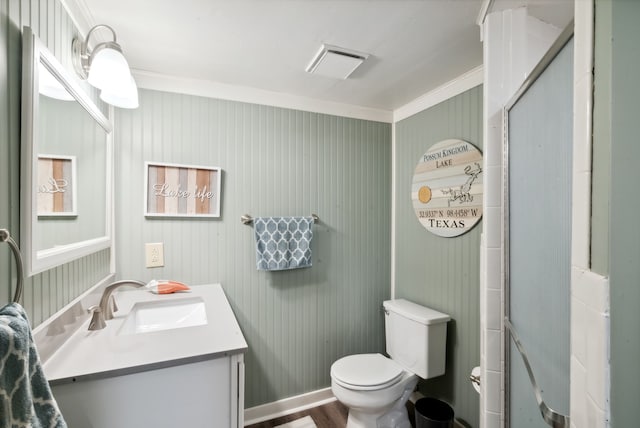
105 353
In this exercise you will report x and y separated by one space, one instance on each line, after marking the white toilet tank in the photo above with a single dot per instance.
416 337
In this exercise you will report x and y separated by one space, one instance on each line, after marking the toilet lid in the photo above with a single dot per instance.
366 371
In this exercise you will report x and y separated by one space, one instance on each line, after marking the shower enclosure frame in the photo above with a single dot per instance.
562 40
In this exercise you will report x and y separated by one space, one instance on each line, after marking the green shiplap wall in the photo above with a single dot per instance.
601 156
441 273
45 293
624 234
275 162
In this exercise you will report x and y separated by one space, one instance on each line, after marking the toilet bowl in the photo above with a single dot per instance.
374 388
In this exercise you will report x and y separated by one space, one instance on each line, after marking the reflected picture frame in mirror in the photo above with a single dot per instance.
68 236
56 186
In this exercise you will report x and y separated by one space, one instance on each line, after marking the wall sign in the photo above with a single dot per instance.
173 190
56 187
447 188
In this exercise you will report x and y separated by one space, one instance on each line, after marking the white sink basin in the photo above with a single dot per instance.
146 317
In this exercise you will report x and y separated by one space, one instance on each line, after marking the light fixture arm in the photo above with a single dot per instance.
82 55
104 67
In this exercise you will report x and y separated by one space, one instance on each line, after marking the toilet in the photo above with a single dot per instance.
376 388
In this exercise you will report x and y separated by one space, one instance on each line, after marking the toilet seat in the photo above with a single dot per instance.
366 372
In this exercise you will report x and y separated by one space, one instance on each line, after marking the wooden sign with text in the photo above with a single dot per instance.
173 190
447 188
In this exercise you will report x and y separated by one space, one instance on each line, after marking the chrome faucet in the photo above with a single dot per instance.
106 308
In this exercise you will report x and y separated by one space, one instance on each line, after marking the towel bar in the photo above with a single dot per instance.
6 237
247 219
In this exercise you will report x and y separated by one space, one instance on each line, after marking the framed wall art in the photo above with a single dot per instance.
173 190
56 186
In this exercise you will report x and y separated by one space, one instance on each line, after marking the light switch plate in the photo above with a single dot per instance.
154 253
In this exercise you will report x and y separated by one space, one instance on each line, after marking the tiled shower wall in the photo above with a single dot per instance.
589 290
513 43
504 70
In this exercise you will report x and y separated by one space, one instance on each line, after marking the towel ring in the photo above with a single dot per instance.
5 236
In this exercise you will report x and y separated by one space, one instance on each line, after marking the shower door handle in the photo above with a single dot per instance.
551 417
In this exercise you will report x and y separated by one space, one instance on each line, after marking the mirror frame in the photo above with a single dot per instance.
34 53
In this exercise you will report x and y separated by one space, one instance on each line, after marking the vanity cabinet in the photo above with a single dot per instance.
203 394
176 375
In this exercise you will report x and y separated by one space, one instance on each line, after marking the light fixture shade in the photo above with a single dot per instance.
105 68
108 67
123 96
50 86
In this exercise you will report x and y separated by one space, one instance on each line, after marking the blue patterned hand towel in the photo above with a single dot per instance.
283 242
25 396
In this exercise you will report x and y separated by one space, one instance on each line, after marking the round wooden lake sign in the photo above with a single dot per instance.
447 188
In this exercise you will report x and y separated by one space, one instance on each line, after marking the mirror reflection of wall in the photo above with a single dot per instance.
68 130
66 169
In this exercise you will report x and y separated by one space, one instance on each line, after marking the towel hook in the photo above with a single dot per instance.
5 236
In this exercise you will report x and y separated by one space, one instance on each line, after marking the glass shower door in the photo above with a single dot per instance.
538 256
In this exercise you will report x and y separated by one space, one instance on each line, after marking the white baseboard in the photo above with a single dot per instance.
415 396
265 412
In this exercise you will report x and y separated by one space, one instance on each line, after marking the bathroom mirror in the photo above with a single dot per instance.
66 161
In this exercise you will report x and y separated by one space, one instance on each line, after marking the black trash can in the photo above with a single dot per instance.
433 413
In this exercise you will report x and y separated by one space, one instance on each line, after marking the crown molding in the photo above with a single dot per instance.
460 84
207 88
84 21
80 15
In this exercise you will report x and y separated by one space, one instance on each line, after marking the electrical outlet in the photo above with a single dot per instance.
154 254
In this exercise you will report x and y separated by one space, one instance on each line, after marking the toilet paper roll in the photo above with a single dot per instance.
475 378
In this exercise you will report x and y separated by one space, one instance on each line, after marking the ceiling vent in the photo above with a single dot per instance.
332 61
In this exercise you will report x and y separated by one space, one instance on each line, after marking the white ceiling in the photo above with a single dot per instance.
415 46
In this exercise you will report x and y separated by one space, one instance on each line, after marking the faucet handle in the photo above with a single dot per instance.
97 320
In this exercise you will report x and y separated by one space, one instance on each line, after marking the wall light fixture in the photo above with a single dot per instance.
106 68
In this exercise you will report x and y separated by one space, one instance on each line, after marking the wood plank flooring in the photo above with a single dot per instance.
331 415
